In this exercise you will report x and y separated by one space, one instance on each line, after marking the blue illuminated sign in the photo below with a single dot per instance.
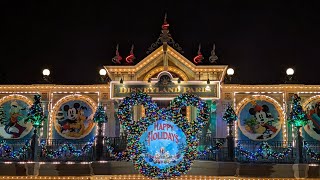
163 144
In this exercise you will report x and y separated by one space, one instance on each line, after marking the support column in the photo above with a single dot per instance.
230 141
34 145
45 102
299 142
113 127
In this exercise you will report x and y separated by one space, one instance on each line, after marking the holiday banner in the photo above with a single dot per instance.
73 119
163 144
12 115
313 113
259 120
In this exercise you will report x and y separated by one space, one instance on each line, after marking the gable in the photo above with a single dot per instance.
165 58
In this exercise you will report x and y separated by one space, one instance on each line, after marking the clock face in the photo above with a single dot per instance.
165 79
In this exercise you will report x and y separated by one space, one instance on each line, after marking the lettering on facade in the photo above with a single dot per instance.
162 131
202 90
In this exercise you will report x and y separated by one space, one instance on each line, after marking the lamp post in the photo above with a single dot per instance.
103 75
36 117
298 118
100 118
230 117
290 73
230 73
46 75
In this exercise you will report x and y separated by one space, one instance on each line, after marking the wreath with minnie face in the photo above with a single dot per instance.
162 144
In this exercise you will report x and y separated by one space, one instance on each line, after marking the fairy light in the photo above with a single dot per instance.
284 120
293 132
235 124
16 96
309 100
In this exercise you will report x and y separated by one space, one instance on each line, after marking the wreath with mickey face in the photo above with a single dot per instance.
162 144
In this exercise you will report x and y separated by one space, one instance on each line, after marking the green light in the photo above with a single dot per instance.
35 114
297 116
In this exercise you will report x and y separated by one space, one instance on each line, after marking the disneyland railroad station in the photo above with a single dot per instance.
164 117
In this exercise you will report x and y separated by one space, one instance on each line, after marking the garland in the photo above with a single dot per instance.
264 151
66 149
153 113
311 153
7 152
118 156
211 149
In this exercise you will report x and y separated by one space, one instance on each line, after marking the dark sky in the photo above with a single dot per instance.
259 39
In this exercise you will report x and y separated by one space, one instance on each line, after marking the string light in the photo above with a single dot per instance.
17 97
134 177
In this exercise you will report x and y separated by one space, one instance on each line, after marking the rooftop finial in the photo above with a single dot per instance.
117 59
198 59
165 25
165 17
131 57
213 58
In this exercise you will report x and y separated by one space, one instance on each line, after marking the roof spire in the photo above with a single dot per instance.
165 25
213 58
164 38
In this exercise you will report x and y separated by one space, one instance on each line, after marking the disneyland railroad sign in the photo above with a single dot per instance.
201 89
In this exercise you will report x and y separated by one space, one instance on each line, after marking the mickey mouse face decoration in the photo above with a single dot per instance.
162 144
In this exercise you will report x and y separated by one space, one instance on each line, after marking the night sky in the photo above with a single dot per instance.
74 39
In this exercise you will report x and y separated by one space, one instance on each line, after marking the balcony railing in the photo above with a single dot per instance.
312 152
14 150
114 148
265 152
62 150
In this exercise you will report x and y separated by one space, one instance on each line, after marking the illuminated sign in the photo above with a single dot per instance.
163 144
155 90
